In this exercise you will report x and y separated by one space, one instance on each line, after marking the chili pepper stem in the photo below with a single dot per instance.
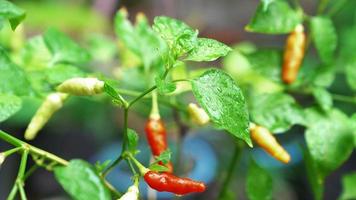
155 110
143 170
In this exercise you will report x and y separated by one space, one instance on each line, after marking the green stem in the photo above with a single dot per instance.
112 189
19 179
13 193
128 92
32 150
112 166
344 98
10 139
29 149
143 170
124 142
336 8
22 190
142 95
131 166
231 170
11 151
154 110
30 172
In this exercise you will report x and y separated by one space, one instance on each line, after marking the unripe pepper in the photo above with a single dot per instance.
268 142
293 54
166 182
198 115
82 86
51 104
131 194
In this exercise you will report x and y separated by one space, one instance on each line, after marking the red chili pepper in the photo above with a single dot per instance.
169 183
157 139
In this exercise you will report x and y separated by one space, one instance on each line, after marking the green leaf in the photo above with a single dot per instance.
35 54
141 39
81 181
329 138
179 36
110 90
61 72
207 50
158 168
132 137
315 179
102 47
100 166
164 157
152 47
219 95
164 86
324 36
125 31
350 72
9 105
323 76
64 49
13 78
323 98
274 17
11 12
353 126
278 112
259 183
267 62
348 186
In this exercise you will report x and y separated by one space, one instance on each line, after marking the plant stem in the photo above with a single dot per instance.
141 95
154 110
32 150
30 172
112 166
143 170
126 115
18 185
344 98
11 151
231 170
22 190
29 149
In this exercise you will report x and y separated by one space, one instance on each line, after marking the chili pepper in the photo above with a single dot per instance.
82 86
156 132
268 142
131 194
51 104
156 136
169 183
198 115
293 54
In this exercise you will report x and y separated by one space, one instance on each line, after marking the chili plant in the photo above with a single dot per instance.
255 95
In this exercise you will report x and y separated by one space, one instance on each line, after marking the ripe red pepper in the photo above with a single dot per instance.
169 183
157 139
